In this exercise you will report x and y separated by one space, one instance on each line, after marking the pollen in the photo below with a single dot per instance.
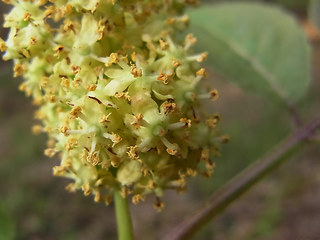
202 72
91 87
133 152
33 41
65 130
114 58
136 72
19 69
37 129
137 198
59 49
59 171
3 46
75 112
27 17
169 107
190 40
186 122
50 152
163 78
137 121
105 118
163 45
158 205
214 95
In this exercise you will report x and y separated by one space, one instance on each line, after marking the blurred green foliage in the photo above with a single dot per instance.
256 46
7 225
314 12
299 6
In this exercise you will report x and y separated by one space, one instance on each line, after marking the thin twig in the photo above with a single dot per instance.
242 182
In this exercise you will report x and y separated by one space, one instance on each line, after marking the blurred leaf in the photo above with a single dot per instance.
257 46
7 230
314 12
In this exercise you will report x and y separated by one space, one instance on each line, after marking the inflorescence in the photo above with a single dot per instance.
118 92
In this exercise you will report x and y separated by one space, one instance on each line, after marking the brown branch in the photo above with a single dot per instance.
242 182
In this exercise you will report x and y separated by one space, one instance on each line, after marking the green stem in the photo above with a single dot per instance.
123 217
243 181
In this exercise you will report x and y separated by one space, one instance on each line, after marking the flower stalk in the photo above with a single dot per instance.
123 217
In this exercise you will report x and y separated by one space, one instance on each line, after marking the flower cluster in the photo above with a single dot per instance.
117 91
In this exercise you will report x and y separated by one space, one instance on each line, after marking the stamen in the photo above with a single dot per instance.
213 121
176 63
224 138
158 205
97 197
76 112
70 188
133 152
123 95
137 121
105 118
86 189
108 200
115 138
163 45
177 125
172 148
37 129
137 198
199 57
59 171
136 72
212 95
3 46
91 87
205 155
169 107
163 78
125 191
190 40
50 152
202 72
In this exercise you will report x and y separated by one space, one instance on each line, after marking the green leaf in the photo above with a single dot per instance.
314 12
259 47
7 228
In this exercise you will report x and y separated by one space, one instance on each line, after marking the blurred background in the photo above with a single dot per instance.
285 205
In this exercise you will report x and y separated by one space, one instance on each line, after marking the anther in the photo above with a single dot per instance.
105 118
136 72
163 78
158 205
115 138
137 198
133 152
50 152
37 129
